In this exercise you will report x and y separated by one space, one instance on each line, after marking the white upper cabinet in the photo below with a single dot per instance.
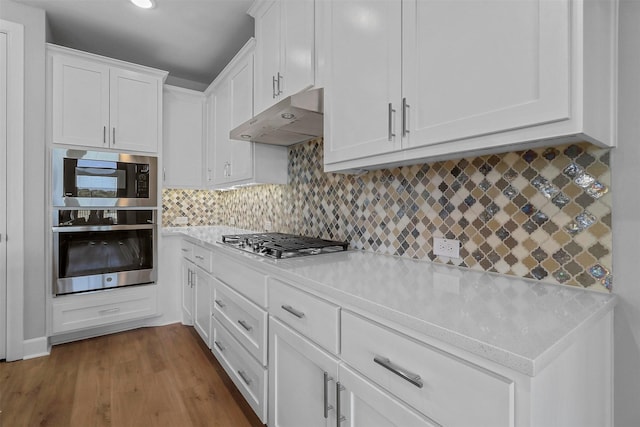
285 49
229 103
182 140
104 103
413 80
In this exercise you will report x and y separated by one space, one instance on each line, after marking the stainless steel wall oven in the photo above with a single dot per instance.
103 248
103 179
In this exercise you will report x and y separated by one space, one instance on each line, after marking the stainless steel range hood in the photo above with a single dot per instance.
295 119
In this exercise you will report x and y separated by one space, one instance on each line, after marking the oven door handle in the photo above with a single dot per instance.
85 228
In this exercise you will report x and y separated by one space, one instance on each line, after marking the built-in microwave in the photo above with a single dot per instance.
84 178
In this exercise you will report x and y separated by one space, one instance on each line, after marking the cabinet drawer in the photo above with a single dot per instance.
313 317
245 372
250 283
203 258
246 321
83 311
449 390
186 248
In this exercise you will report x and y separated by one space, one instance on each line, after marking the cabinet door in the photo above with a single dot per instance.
241 109
363 404
363 78
202 304
187 291
220 144
80 102
267 55
297 66
134 109
297 382
480 67
182 139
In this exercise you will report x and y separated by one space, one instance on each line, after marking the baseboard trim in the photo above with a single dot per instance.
36 347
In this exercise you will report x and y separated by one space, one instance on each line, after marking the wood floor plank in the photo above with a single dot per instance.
161 376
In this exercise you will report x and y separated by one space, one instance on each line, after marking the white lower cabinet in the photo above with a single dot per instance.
302 380
246 373
82 311
361 403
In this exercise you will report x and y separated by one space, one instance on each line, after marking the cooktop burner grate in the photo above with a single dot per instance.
281 245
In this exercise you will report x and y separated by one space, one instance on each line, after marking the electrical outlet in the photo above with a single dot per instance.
267 226
181 220
446 247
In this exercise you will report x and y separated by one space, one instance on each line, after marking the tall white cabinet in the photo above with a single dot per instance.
432 79
104 103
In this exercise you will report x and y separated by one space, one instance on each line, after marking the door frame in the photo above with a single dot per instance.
15 189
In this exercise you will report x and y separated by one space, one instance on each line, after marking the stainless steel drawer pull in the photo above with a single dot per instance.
104 135
401 372
293 311
244 377
109 310
114 136
185 250
392 134
220 303
405 117
339 418
244 325
220 346
327 407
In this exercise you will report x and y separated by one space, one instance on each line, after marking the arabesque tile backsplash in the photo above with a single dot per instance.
543 213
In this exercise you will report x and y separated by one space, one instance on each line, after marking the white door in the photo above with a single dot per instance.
267 57
3 195
297 382
479 67
241 108
363 78
202 304
80 102
188 278
298 37
363 404
134 111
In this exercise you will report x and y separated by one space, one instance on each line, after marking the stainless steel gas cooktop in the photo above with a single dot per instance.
280 245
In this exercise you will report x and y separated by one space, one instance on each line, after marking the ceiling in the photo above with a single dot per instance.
191 39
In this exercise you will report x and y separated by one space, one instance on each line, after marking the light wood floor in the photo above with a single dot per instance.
162 376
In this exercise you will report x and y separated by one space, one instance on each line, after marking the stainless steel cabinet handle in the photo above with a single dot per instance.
104 135
339 418
200 257
392 134
193 279
399 371
230 169
164 174
244 377
405 117
327 407
244 325
293 311
280 76
220 303
114 136
220 346
109 310
185 250
273 91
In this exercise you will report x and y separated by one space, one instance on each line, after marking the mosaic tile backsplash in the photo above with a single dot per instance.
542 214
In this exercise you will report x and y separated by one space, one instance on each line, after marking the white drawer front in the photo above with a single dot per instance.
83 311
452 392
186 248
250 283
315 318
245 320
246 373
203 258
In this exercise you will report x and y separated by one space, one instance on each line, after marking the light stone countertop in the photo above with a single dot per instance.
519 323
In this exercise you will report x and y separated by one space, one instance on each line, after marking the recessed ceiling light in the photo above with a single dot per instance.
144 4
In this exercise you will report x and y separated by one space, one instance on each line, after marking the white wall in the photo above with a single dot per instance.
34 157
625 170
